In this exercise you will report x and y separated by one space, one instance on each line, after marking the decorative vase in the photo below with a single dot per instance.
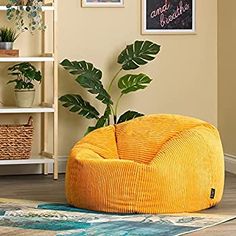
6 45
24 97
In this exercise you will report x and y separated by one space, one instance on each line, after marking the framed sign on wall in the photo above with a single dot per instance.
168 16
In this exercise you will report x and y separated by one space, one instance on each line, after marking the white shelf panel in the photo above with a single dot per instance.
26 59
30 161
44 8
18 110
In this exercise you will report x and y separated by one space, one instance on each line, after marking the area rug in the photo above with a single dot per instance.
18 217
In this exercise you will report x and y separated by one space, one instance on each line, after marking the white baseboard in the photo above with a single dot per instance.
32 169
230 163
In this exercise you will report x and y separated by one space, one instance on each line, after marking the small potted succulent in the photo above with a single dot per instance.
26 14
25 74
7 37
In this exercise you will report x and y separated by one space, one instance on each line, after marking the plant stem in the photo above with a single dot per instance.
112 110
116 108
110 85
115 119
112 113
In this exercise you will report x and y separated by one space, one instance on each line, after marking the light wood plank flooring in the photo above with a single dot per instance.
43 188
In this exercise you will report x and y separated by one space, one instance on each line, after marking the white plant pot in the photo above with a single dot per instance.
24 97
6 45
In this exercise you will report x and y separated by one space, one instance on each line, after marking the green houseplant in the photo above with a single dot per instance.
7 37
132 57
25 74
26 14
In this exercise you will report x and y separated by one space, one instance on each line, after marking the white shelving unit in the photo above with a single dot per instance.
18 110
31 161
44 8
26 59
46 109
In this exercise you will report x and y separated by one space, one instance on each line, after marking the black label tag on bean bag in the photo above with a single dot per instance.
213 193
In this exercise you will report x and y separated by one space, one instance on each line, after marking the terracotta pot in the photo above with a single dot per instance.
24 97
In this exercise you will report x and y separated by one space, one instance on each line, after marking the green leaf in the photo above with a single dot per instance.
78 105
26 71
88 77
137 54
95 87
131 83
8 34
89 129
129 115
101 122
12 81
82 68
29 86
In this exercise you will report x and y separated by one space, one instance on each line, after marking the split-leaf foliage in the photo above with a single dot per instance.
90 78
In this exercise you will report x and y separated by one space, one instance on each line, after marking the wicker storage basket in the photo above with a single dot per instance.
16 141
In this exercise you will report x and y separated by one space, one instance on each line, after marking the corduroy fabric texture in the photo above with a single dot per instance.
153 164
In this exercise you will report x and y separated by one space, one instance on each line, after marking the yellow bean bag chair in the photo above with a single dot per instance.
152 164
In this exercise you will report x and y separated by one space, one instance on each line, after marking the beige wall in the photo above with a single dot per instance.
227 72
184 75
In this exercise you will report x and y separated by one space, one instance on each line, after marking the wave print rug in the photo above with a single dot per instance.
28 218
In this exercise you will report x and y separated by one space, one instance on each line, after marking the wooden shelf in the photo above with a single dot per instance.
44 8
26 59
44 109
18 110
30 161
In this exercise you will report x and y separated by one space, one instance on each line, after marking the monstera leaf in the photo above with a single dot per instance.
90 129
95 87
77 105
88 77
101 122
82 68
129 115
131 83
137 54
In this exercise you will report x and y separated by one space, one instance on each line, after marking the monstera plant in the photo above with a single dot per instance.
87 76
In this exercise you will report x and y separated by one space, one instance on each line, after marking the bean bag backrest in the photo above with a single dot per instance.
101 141
140 140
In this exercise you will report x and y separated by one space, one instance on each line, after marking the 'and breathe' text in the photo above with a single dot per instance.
165 18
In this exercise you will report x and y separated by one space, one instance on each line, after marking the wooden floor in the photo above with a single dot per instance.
43 188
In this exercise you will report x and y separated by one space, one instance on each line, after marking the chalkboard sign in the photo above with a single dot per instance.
168 16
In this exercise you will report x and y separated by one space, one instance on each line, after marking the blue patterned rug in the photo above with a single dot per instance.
26 218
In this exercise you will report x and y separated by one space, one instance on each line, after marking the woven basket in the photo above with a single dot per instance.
16 141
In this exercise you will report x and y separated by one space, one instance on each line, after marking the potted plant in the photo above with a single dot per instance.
7 37
19 10
89 77
25 74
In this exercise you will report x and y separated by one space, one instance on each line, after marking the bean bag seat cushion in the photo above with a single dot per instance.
152 164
